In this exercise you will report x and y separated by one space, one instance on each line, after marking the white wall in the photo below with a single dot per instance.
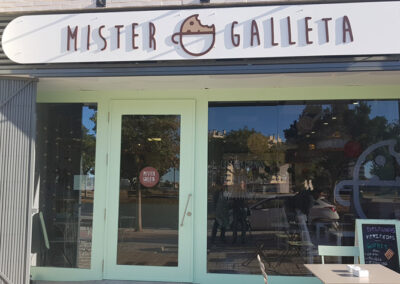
43 5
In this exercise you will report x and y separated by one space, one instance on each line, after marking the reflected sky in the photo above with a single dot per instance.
87 113
261 118
273 120
388 109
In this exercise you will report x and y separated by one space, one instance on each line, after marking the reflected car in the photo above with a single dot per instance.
273 214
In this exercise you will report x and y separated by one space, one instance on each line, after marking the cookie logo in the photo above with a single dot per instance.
194 38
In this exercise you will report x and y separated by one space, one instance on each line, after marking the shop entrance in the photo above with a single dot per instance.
149 222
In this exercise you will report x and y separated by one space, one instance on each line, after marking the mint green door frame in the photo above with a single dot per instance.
201 97
95 270
183 272
201 161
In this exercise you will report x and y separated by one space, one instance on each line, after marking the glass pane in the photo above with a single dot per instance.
149 190
272 173
65 165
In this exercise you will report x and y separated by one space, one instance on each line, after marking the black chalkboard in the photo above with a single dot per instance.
380 245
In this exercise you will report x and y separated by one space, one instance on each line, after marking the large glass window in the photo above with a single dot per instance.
65 165
286 177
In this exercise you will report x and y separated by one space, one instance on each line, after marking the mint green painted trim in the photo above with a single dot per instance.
183 272
270 94
306 93
100 196
62 274
200 230
201 97
238 94
95 271
201 194
256 279
359 237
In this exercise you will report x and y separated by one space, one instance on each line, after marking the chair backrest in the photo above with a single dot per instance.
339 251
262 268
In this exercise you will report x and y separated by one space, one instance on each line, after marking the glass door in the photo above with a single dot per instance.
149 221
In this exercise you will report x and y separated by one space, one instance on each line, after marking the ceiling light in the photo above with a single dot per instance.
355 103
325 123
333 117
157 139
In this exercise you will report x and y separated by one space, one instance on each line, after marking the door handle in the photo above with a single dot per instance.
186 207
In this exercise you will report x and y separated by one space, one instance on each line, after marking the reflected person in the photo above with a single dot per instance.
239 211
221 219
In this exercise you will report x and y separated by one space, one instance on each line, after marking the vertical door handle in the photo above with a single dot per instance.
186 207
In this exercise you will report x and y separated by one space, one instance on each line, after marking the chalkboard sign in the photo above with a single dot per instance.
379 242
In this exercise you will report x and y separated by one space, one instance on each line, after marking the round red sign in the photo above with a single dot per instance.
149 177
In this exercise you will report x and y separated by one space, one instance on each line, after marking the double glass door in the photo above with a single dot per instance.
149 222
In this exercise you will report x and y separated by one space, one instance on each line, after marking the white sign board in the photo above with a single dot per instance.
210 33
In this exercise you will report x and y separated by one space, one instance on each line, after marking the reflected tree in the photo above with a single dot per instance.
326 149
148 140
89 147
246 150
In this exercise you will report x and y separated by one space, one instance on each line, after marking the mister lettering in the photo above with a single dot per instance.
72 36
152 32
102 37
118 27
88 38
134 35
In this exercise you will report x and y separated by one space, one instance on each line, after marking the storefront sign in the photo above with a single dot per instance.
212 33
378 241
149 177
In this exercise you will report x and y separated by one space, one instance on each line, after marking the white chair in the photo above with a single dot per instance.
262 268
338 251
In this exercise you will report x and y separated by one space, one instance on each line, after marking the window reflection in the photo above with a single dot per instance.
286 177
149 190
65 168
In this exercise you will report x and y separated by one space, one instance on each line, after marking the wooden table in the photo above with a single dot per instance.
338 274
